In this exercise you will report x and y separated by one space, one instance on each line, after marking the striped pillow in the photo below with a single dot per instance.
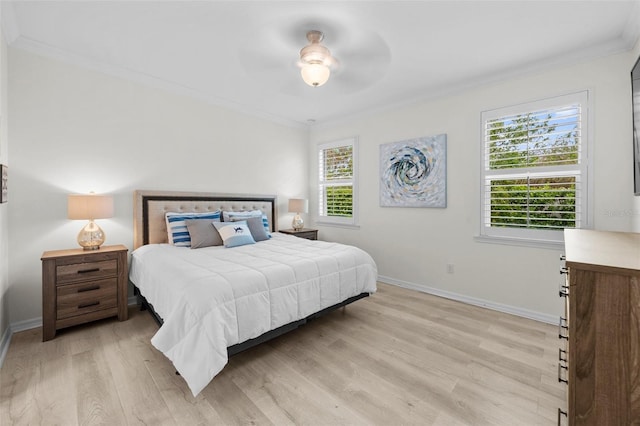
177 231
243 215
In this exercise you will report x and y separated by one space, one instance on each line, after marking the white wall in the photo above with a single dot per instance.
74 131
412 246
4 227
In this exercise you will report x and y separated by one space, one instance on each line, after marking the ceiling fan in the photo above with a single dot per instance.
315 60
272 54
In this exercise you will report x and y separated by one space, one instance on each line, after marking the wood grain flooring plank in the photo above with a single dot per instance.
456 345
55 393
232 403
474 321
340 373
125 357
97 393
19 379
185 409
429 385
285 396
491 407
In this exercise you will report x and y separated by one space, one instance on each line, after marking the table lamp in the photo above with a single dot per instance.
297 206
90 207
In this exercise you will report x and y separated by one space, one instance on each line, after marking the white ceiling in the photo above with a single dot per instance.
242 54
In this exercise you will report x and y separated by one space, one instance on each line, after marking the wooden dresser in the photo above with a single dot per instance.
79 286
601 365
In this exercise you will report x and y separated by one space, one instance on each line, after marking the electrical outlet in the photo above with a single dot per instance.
449 268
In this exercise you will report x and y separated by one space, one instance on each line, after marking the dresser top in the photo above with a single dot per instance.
613 249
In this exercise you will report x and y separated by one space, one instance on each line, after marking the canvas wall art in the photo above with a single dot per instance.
413 173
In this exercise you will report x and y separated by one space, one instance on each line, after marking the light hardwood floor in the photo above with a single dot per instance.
398 357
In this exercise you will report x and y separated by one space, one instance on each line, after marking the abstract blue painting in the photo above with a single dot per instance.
413 173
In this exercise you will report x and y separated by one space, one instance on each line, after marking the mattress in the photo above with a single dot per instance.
215 297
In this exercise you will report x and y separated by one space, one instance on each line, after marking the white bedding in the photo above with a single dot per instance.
215 297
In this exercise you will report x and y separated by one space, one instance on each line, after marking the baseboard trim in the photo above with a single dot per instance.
513 310
4 344
19 326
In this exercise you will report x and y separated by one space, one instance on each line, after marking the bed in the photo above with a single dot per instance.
214 301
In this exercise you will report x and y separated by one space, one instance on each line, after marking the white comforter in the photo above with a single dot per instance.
215 297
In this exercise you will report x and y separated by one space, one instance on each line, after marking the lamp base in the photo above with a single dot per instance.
297 223
91 237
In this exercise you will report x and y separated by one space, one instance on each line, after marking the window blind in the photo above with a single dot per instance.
533 168
336 181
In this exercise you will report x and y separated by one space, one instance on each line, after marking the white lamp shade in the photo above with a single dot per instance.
315 74
89 206
298 205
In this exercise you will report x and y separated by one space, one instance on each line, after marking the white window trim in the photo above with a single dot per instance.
334 220
535 237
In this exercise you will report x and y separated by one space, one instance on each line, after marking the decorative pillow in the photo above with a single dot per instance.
177 231
243 215
256 228
203 233
234 233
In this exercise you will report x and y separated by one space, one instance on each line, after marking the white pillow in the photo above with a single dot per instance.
234 233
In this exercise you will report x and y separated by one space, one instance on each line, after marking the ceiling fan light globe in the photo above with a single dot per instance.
315 74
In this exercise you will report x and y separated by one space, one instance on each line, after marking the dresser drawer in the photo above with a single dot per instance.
86 271
82 298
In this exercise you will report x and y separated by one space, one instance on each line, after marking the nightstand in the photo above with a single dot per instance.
80 286
309 234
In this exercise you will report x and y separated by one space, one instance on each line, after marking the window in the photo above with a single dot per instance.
337 182
534 169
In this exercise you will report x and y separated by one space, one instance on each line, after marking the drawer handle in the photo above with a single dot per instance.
561 413
562 355
563 257
95 287
564 271
563 291
86 271
560 368
86 305
562 325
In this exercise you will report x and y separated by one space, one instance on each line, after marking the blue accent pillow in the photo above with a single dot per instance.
177 231
234 234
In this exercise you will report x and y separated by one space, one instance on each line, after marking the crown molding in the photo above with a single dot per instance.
429 94
52 52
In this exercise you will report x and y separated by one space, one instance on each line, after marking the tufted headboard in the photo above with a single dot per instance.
149 225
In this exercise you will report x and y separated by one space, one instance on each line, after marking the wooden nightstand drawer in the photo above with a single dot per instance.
86 271
78 299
